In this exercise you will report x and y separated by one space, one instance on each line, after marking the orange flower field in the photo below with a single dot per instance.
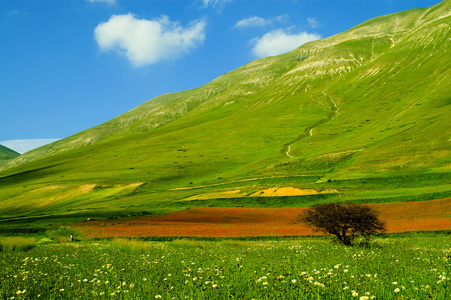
431 215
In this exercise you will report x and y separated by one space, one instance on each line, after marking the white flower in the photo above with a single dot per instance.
157 296
293 281
397 290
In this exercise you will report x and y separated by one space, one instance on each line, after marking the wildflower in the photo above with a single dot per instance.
397 290
157 296
364 298
61 290
354 293
293 281
265 283
395 283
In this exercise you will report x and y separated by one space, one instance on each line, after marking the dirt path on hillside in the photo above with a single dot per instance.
431 215
308 131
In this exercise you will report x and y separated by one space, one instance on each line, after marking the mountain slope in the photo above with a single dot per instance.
353 113
6 153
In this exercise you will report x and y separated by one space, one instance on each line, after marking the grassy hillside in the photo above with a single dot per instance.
6 153
364 113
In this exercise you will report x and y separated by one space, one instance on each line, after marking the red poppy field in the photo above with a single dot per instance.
432 215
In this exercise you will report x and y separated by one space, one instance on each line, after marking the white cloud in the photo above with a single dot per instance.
279 41
253 21
146 42
314 23
259 21
23 146
106 1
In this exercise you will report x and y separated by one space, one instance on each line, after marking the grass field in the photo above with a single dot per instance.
402 267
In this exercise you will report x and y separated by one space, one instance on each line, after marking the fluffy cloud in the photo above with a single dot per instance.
279 41
146 42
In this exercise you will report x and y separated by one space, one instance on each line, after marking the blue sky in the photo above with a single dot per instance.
68 65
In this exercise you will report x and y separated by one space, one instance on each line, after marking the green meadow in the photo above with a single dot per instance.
395 267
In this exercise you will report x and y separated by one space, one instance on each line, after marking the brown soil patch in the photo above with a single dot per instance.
242 222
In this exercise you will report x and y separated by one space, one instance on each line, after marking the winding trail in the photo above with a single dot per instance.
308 131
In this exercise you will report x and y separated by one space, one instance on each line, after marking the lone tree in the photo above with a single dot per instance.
343 221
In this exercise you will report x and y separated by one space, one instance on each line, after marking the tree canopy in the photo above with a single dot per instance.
346 222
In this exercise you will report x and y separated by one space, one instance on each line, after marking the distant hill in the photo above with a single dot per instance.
6 153
362 116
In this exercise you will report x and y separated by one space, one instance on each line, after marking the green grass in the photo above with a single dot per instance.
16 244
6 153
416 267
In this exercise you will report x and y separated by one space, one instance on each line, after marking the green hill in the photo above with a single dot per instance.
6 153
362 116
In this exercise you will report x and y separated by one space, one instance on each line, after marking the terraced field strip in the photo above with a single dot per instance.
431 215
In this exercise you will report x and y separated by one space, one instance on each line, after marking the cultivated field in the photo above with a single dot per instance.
241 222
